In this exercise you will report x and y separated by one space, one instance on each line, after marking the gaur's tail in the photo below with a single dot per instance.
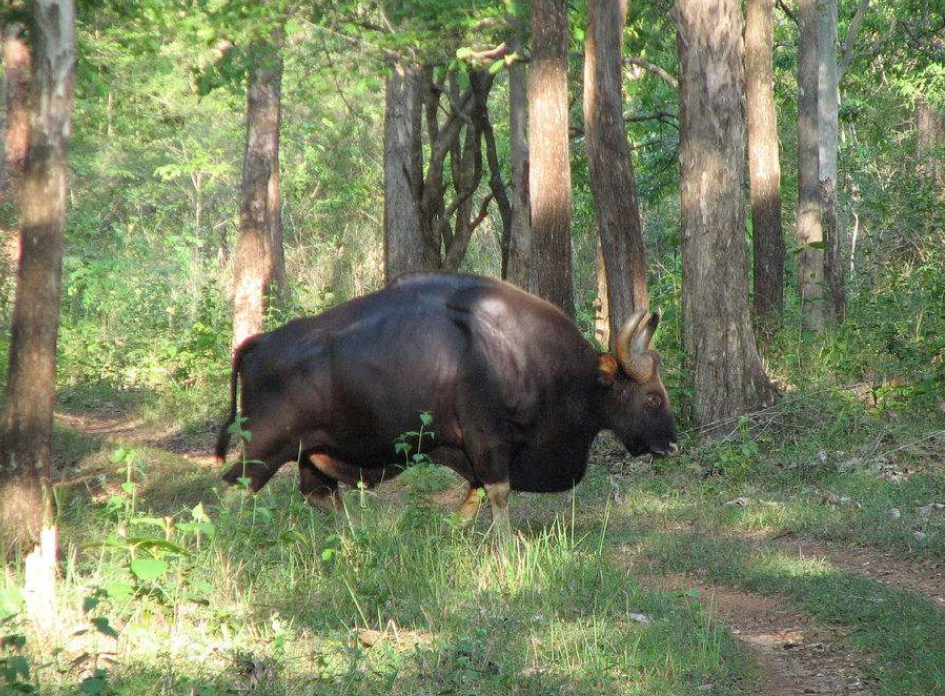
223 439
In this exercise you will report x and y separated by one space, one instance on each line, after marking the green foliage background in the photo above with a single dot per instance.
156 157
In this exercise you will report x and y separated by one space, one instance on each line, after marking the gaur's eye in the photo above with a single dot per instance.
653 402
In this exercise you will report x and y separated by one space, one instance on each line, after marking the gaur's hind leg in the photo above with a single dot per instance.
499 501
486 443
469 508
319 490
457 460
491 465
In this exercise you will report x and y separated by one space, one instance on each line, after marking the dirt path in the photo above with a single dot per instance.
925 577
797 656
122 429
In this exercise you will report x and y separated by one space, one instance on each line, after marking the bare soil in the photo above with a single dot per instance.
924 577
118 427
797 656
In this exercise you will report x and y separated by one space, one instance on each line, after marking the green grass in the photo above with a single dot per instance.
277 592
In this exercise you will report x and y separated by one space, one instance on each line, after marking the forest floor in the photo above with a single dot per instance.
687 581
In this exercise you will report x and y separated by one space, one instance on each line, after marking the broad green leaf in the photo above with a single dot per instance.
148 569
149 544
118 590
11 601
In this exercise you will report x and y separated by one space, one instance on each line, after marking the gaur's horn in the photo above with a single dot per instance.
632 343
643 339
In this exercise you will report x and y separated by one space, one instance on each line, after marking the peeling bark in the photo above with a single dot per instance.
810 260
26 422
17 68
764 164
549 154
403 243
727 374
828 110
259 262
610 164
520 239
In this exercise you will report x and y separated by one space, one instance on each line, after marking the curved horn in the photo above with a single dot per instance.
643 340
631 343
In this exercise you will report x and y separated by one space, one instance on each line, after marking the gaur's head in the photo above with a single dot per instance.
635 404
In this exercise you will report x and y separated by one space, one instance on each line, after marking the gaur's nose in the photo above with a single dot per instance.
673 449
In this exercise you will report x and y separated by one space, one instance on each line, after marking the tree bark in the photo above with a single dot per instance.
930 124
403 173
549 155
810 260
764 164
26 423
610 163
496 183
17 71
16 91
602 329
828 108
728 377
259 261
467 173
520 240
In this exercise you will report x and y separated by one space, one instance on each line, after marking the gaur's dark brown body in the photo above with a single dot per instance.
516 392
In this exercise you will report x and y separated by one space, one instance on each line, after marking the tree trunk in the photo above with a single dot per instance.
764 165
520 240
810 260
26 423
496 183
828 108
728 377
467 173
259 262
403 174
602 331
930 123
549 155
16 92
610 163
17 70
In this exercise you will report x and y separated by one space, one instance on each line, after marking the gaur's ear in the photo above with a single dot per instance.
606 368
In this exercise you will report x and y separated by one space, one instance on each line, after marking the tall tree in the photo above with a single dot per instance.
610 163
16 89
764 164
259 261
17 70
810 260
519 267
26 423
549 187
828 123
728 376
403 244
930 124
